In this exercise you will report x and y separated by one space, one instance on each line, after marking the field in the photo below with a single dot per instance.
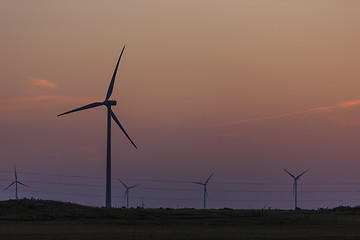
39 219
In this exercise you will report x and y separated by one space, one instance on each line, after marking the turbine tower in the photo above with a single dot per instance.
127 192
205 191
16 182
110 114
295 184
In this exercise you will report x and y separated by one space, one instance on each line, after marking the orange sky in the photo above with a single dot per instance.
242 88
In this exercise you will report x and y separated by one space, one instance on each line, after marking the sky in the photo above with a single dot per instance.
243 88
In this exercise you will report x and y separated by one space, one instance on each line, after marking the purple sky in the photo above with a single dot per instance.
239 88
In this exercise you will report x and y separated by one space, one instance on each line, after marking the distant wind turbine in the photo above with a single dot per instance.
205 191
127 192
16 182
295 184
110 114
142 204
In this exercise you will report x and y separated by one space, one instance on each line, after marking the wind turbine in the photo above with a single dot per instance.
205 191
295 184
110 114
16 182
127 192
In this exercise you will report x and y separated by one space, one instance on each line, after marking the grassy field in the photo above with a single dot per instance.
37 219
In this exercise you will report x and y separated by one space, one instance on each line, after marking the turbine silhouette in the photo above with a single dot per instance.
16 182
110 114
295 184
205 191
127 192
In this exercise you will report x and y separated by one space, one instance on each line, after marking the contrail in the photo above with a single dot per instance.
318 109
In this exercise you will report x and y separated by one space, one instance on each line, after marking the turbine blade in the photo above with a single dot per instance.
123 183
209 178
23 184
198 183
207 195
302 174
91 105
289 173
111 86
15 172
134 186
121 127
9 186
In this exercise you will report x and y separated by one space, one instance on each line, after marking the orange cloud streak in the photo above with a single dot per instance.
339 105
42 83
349 103
36 101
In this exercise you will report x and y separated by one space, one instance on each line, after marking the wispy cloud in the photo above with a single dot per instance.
349 103
40 101
318 109
42 83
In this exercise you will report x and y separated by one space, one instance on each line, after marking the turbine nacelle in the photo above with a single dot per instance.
109 103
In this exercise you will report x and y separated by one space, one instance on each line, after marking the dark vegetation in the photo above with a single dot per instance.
43 219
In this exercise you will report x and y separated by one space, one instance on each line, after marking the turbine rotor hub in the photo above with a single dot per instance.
110 103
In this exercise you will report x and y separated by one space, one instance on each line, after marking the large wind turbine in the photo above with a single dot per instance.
127 192
110 114
16 182
295 184
205 191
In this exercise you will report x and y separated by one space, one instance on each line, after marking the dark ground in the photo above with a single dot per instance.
40 219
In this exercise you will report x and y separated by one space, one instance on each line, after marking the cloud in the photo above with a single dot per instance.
40 101
318 109
349 103
42 83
